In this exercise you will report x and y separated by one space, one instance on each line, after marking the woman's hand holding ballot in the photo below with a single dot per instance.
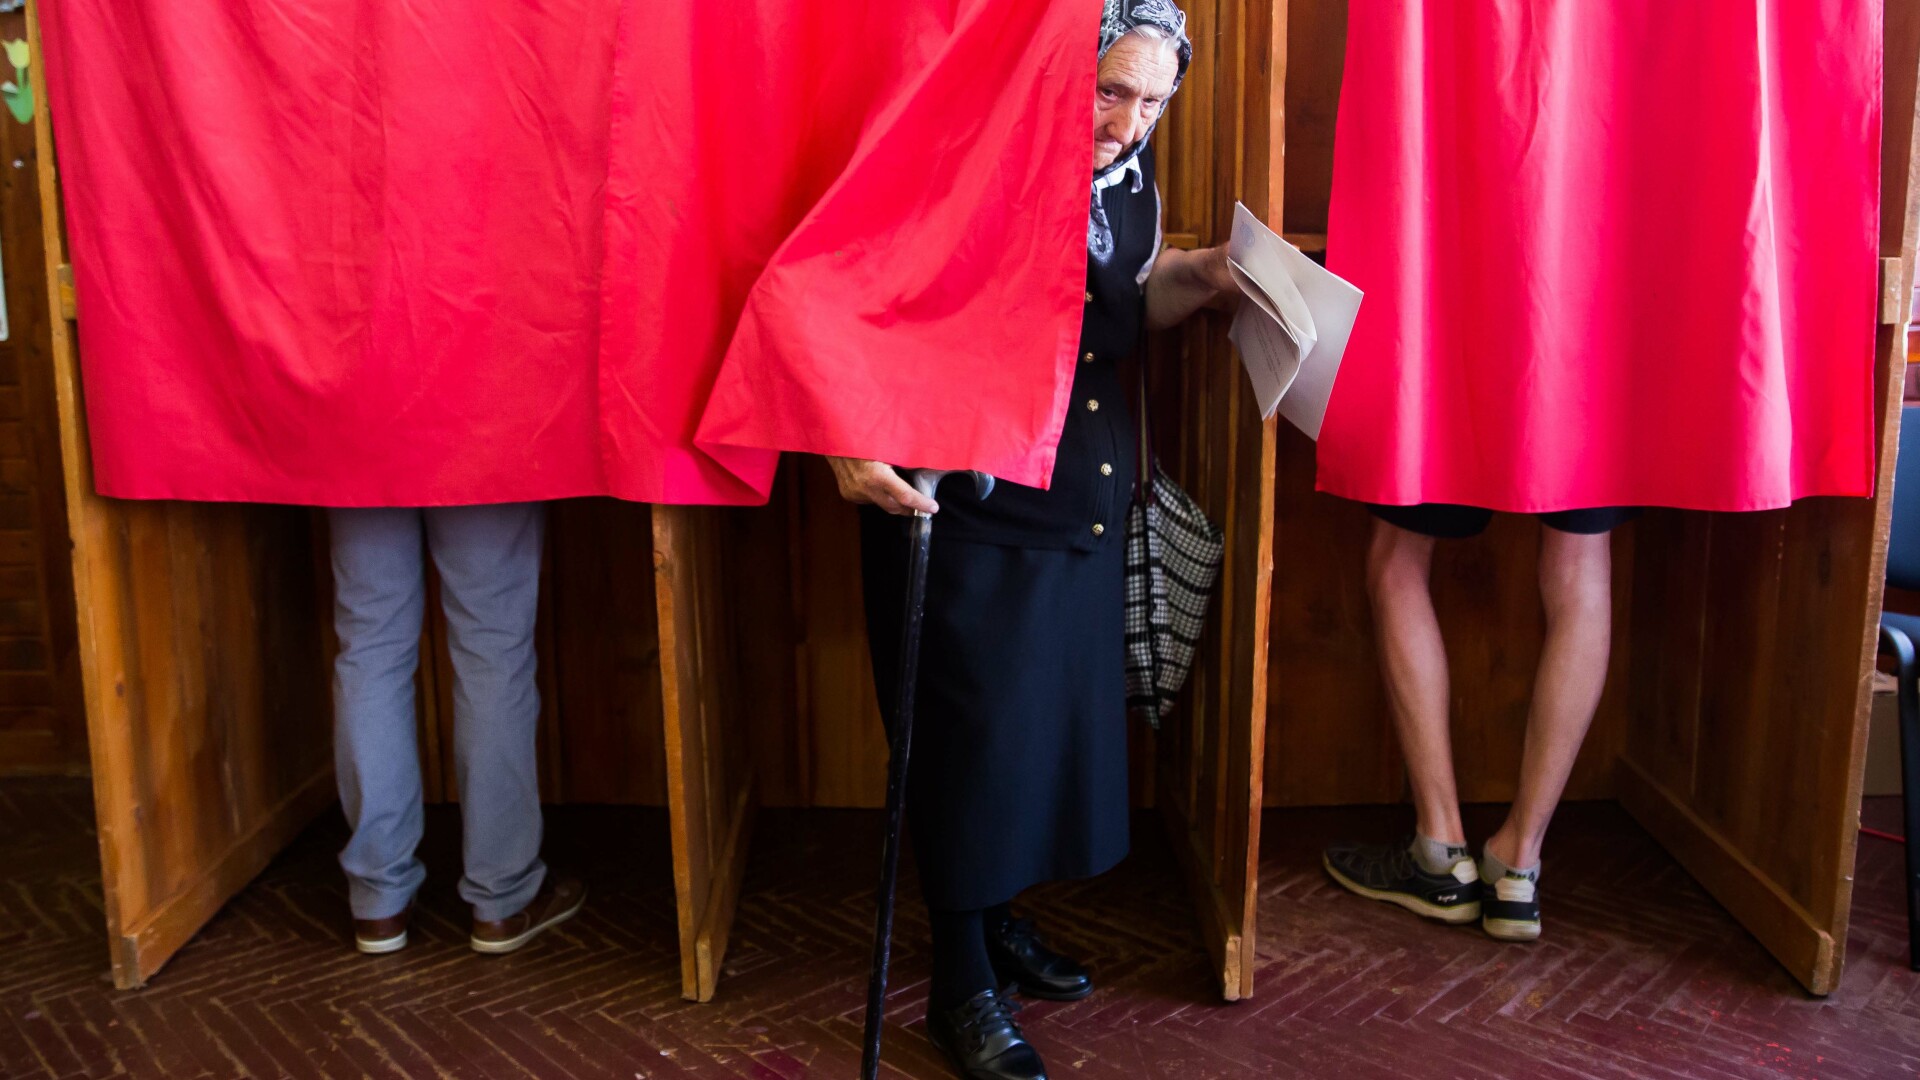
1183 282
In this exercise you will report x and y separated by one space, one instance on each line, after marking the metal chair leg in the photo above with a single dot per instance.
1902 647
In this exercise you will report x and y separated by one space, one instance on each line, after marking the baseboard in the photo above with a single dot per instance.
39 753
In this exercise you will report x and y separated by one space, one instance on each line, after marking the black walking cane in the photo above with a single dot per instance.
926 481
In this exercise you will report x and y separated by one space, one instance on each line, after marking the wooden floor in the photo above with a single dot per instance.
1640 975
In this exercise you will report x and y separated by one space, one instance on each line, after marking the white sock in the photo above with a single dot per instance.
1437 857
1509 883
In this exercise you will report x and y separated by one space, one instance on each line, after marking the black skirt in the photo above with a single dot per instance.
1019 765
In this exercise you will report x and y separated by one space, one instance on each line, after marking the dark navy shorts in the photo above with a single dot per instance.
1446 521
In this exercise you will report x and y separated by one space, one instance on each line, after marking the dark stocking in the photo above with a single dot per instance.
997 916
960 966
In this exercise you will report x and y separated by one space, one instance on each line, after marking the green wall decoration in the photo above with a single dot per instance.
18 91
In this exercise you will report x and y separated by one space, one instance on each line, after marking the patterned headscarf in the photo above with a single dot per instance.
1118 19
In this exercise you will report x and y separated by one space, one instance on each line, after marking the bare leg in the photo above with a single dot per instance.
1576 575
1413 657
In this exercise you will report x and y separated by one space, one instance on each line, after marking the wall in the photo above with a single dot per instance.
42 724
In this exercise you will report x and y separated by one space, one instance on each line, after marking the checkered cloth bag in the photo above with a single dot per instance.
1173 560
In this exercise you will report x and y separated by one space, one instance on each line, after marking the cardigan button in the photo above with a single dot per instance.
1087 359
1106 470
1093 406
1089 298
1098 529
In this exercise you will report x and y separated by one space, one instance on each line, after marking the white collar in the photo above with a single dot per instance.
1132 167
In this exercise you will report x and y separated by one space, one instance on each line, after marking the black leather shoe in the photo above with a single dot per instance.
1022 960
982 1040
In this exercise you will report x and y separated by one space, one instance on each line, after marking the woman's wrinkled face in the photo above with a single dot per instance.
1136 78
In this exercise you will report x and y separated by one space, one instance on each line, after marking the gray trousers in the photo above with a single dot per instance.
489 563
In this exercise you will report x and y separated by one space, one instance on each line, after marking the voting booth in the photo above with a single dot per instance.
714 660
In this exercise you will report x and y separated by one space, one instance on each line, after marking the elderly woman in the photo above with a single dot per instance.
1020 763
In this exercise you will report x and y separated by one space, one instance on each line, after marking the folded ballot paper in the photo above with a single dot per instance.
1293 328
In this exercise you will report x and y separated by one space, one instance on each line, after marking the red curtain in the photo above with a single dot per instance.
359 253
1617 253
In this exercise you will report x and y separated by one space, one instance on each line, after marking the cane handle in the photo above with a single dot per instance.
927 481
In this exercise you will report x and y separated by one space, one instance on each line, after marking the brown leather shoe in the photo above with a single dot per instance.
377 936
559 899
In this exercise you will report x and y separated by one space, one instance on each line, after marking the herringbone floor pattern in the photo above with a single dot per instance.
1640 974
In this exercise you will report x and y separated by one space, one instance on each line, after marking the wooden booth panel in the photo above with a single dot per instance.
42 724
1221 142
1316 56
1331 735
727 667
1754 639
203 671
601 736
598 664
835 751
